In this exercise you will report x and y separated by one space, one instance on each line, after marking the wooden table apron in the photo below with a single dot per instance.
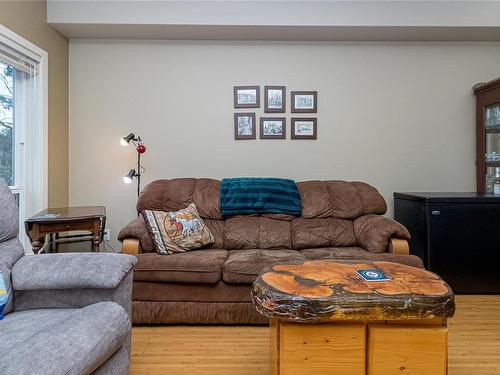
417 347
38 227
352 342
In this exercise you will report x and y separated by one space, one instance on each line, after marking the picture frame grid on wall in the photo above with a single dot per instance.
246 96
244 126
274 99
304 101
272 128
245 123
304 128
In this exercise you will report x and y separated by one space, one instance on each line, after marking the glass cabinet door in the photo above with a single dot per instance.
492 144
492 116
487 136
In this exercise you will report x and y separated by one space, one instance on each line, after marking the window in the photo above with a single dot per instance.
23 123
7 122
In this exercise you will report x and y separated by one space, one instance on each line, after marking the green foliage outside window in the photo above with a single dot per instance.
6 122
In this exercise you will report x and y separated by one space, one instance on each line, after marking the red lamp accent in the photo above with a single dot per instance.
141 149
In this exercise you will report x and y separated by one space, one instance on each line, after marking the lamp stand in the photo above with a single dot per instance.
138 174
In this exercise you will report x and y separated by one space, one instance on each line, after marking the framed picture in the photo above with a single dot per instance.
304 128
244 126
272 128
274 99
304 101
246 96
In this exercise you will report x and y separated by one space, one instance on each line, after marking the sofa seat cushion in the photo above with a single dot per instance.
61 341
154 312
200 266
189 292
358 253
243 266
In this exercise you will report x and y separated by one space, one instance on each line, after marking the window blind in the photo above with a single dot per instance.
17 60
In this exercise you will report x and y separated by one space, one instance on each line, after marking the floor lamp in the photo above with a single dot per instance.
136 141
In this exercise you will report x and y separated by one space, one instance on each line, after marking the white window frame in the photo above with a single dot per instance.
37 167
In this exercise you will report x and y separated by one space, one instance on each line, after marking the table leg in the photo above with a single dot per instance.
97 236
36 238
96 242
37 244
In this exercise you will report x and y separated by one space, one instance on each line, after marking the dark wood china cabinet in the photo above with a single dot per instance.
487 134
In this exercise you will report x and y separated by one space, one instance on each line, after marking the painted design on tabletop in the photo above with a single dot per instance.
319 279
323 289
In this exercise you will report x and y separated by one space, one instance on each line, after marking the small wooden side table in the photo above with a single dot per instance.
64 219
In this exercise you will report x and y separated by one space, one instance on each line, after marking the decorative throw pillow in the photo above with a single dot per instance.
4 296
178 231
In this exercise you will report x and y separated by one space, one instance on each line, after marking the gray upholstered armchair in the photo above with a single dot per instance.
66 313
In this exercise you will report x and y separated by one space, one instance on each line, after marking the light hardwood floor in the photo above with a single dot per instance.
474 345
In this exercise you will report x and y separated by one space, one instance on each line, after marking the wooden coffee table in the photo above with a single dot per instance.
326 319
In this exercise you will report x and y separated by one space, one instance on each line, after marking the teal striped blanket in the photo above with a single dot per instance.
252 195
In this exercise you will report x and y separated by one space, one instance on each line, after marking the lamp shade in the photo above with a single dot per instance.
129 178
126 140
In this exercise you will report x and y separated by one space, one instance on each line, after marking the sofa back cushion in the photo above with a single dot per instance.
339 199
256 232
9 218
175 194
328 211
320 199
308 233
10 247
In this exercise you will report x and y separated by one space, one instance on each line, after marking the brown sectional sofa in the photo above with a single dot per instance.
340 220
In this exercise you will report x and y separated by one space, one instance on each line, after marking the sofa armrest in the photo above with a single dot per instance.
375 232
72 280
131 246
398 246
136 229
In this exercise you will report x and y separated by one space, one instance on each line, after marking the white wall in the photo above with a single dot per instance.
399 116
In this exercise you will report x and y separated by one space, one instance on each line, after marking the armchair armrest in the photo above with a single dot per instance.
375 233
72 280
136 230
71 271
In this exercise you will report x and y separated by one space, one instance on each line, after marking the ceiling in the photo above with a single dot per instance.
285 20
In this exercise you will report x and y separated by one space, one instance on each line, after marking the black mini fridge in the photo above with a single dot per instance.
457 235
